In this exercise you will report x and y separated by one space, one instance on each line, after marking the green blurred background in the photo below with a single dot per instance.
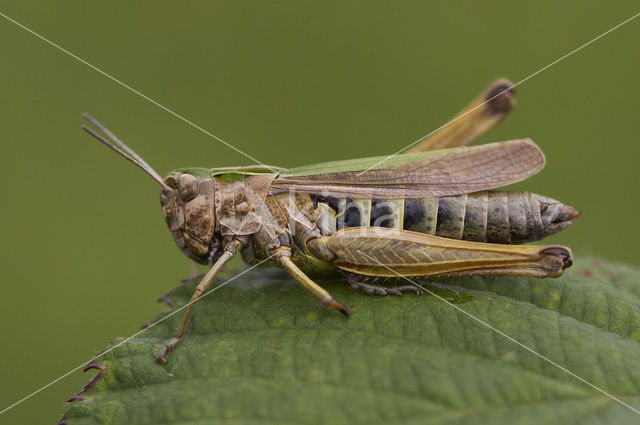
289 83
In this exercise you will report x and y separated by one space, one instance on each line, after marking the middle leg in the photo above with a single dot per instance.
284 256
230 250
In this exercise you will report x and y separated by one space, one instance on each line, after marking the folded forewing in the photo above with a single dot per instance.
434 173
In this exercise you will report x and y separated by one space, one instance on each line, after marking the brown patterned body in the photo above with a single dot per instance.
203 213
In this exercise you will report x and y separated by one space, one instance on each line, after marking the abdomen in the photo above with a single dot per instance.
488 216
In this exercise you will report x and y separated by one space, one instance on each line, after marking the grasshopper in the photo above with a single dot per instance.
429 212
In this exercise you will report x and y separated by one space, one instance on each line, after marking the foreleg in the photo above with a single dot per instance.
230 250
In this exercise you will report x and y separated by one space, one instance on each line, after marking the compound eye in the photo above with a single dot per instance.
171 181
188 186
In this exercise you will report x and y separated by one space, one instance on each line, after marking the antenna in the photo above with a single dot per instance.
129 155
119 142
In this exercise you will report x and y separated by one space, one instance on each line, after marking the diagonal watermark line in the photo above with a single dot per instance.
175 114
531 350
132 336
504 91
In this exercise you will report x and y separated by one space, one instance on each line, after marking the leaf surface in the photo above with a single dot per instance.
264 352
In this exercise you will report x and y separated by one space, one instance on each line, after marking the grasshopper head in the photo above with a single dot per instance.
186 197
187 205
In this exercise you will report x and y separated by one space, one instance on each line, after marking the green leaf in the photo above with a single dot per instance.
262 352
